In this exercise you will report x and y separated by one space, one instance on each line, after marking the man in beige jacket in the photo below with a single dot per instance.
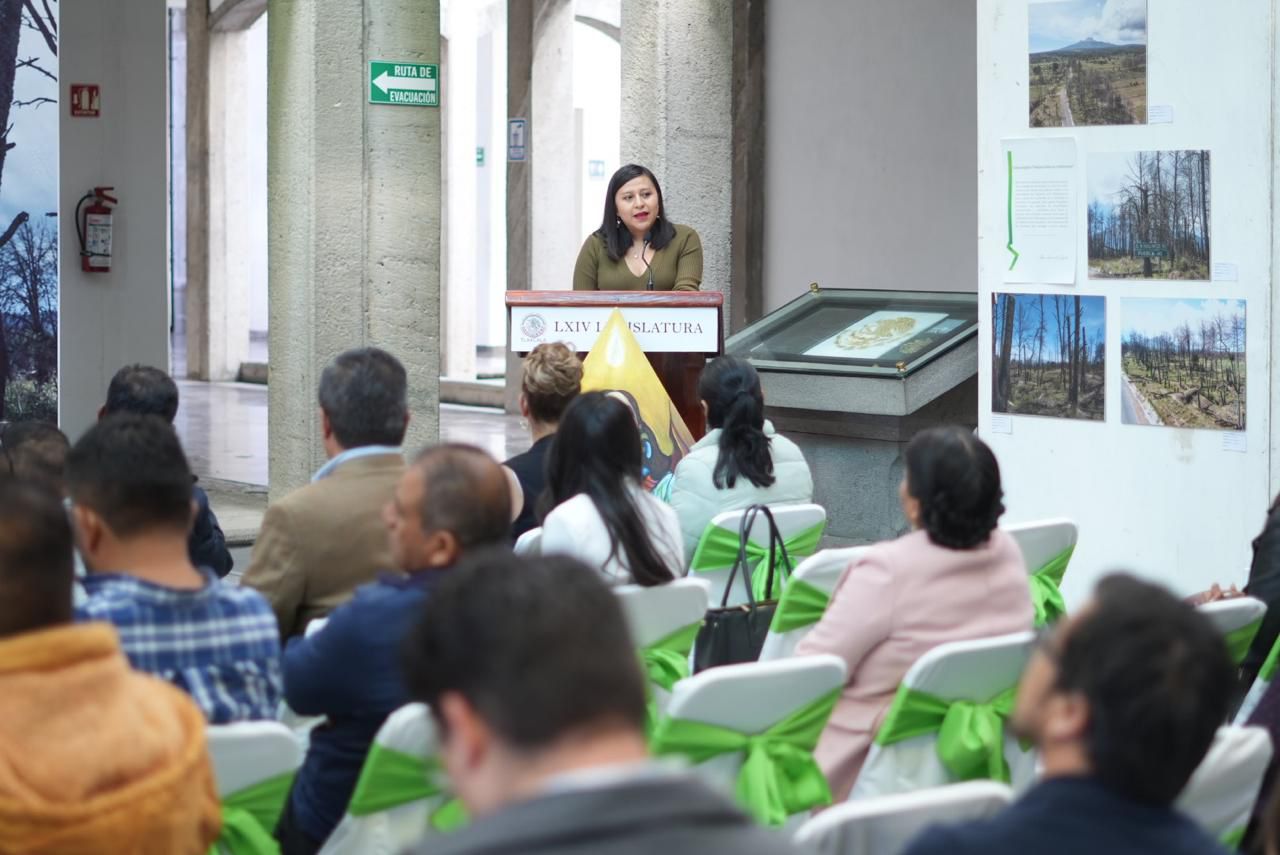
321 542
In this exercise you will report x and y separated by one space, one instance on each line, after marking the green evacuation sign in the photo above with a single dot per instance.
1146 249
408 83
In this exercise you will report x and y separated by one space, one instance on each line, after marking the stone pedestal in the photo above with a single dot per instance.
353 216
857 462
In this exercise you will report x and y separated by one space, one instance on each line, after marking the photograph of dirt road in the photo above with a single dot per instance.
1183 363
1149 215
1048 353
1088 62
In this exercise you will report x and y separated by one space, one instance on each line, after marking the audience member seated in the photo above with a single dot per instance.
550 377
321 542
147 391
35 453
94 757
534 686
742 461
1122 701
598 513
1264 584
452 499
131 492
954 577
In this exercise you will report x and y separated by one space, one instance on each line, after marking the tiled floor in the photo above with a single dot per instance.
224 430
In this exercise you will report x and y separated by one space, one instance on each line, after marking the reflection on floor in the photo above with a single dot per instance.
223 427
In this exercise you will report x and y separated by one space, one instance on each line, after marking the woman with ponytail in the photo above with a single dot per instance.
955 576
741 461
594 507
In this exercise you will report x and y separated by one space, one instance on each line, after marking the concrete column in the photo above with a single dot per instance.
552 143
459 80
226 297
107 320
677 73
542 244
353 214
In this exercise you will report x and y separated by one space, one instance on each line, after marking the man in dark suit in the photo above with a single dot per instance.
1122 701
536 689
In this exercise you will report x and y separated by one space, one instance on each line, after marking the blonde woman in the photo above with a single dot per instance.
551 377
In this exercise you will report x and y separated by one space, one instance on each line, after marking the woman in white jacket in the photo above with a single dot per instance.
595 508
741 461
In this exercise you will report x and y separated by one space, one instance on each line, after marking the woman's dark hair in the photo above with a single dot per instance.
617 240
956 479
730 387
596 451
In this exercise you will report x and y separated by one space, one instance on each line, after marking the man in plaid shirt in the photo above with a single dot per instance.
130 489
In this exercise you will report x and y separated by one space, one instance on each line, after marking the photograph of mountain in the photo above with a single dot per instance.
1087 62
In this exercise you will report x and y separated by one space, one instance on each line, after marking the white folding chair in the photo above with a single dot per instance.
1238 619
885 825
822 571
666 616
410 732
749 699
248 752
1260 685
1044 543
1224 787
792 520
976 671
529 543
251 753
302 725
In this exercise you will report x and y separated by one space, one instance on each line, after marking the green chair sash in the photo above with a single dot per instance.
1234 837
392 778
970 736
666 662
1046 596
1239 640
778 777
801 605
718 549
1268 670
249 817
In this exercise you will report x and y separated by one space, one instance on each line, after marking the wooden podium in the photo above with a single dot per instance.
678 331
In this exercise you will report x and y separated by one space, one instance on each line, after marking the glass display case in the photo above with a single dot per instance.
863 333
850 376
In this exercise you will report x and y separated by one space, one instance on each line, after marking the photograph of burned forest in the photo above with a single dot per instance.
1087 63
1183 363
1048 353
1149 215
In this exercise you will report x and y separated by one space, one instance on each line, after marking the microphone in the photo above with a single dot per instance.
644 250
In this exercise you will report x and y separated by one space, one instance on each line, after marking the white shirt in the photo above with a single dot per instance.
574 528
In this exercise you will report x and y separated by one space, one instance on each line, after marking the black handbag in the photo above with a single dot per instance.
732 634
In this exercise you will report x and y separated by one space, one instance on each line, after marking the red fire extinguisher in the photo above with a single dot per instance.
93 227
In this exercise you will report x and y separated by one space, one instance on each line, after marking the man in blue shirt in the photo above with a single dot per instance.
451 499
130 491
1122 701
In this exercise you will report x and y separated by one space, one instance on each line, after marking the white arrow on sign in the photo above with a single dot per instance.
385 81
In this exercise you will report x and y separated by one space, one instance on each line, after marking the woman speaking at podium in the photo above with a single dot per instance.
636 247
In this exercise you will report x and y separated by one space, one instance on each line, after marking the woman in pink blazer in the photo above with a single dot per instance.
954 577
